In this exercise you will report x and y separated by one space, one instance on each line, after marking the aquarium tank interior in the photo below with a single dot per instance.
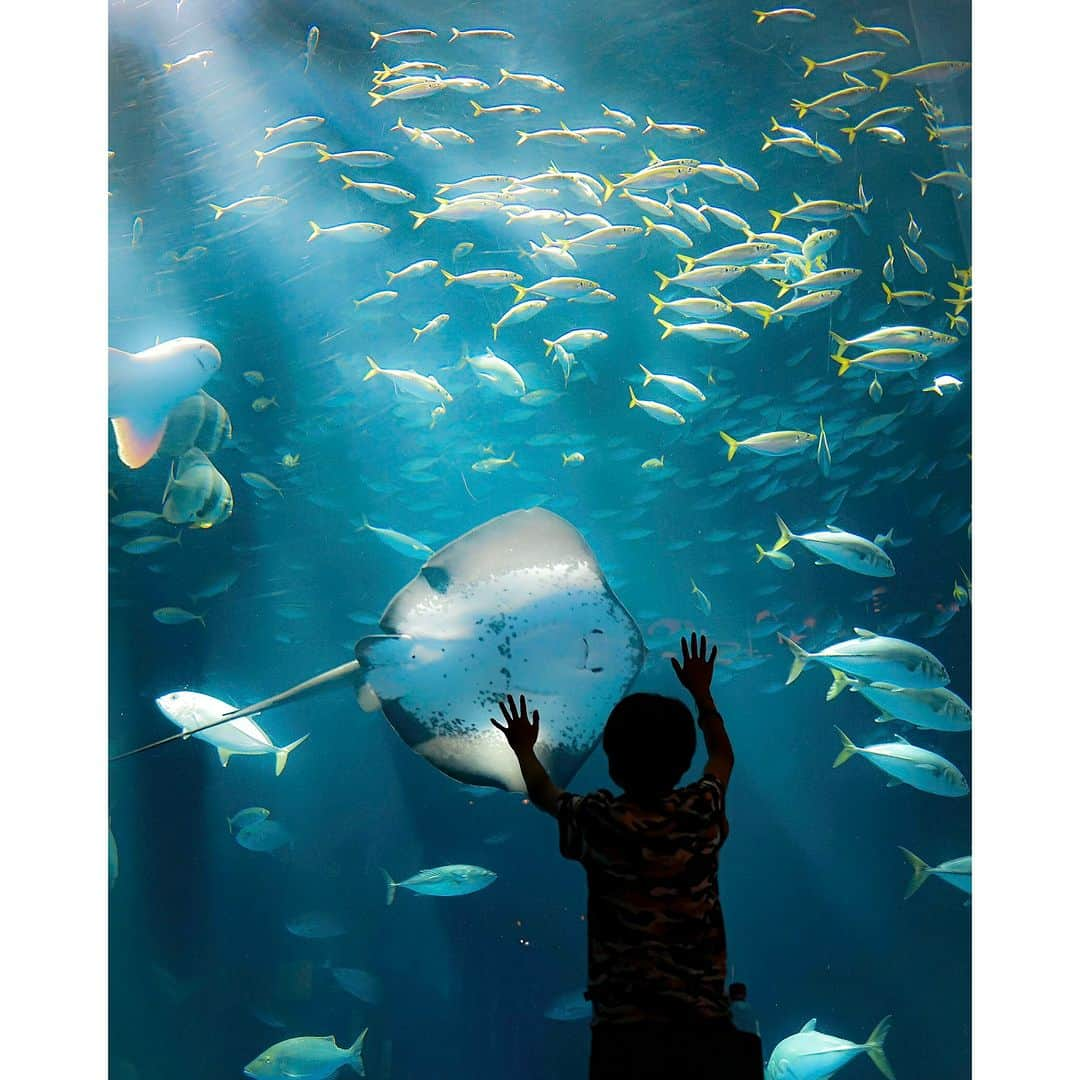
464 349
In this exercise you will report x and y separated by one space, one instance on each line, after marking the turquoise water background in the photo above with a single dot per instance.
811 879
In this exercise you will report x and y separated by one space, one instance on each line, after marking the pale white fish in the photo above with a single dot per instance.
534 82
680 387
413 90
674 131
913 765
295 126
201 57
504 110
189 710
431 327
290 151
400 542
665 414
942 383
376 299
350 232
804 305
935 709
413 270
670 233
144 387
307 1057
384 193
771 444
812 1055
519 313
403 37
252 206
498 374
576 340
710 333
357 159
466 209
424 387
621 118
875 658
480 35
844 549
956 872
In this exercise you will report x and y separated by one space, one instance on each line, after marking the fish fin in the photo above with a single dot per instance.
732 445
810 1025
550 345
810 65
218 210
375 370
420 218
859 632
920 873
649 225
648 375
885 78
894 783
668 328
281 755
609 187
356 1057
660 305
687 261
519 293
315 230
834 528
477 107
767 143
843 361
800 657
138 438
633 398
875 1048
665 281
224 755
391 886
777 217
849 132
450 278
375 38
923 182
889 294
839 684
847 750
760 553
324 155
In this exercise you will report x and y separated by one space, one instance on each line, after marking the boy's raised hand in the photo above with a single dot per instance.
695 673
519 731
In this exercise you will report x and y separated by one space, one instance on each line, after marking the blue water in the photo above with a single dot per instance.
811 879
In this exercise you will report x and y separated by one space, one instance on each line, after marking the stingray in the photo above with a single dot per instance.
516 605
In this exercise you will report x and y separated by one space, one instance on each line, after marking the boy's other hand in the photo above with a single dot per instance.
519 731
696 671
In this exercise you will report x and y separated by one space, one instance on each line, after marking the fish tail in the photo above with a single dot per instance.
167 67
524 137
777 217
859 28
923 182
785 534
609 187
919 874
760 553
450 278
315 230
455 33
761 16
843 361
391 886
259 155
768 142
799 654
875 1048
660 305
848 749
649 225
884 76
664 280
850 133
218 210
650 125
842 343
420 218
505 75
494 331
810 65
375 370
889 294
376 99
687 260
648 375
786 287
550 345
346 183
840 682
519 293
732 444
668 329
282 756
510 460
417 334
633 399
477 108
356 1056
375 39
800 107
324 155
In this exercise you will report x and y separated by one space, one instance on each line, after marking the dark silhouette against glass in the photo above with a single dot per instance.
657 948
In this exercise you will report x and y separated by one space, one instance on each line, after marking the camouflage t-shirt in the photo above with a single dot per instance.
657 950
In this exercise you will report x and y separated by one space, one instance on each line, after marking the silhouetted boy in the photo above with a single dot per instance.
657 950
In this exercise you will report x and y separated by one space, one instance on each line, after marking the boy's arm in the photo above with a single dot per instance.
521 735
695 673
717 744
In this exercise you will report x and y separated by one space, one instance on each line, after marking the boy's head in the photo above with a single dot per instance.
649 740
737 991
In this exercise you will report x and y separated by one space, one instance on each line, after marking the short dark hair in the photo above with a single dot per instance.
649 740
